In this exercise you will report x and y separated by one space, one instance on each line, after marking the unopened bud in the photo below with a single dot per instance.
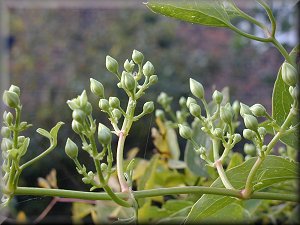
195 110
185 131
128 81
218 132
289 74
103 166
251 122
104 134
15 89
258 110
189 101
112 65
128 66
78 115
245 110
11 99
5 132
237 138
262 131
182 102
114 102
104 104
73 104
6 144
137 57
250 149
236 107
226 114
71 149
117 114
160 114
83 100
9 118
77 127
196 88
148 107
153 79
217 97
148 69
97 88
248 134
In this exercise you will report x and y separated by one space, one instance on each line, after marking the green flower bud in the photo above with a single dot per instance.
237 138
182 102
180 117
91 174
189 101
117 114
236 107
5 132
195 110
218 132
103 166
97 88
74 103
250 149
289 74
148 69
160 114
9 118
6 144
77 127
251 122
185 131
83 100
78 115
248 134
164 99
71 149
202 150
196 88
86 180
258 110
245 110
104 134
217 97
15 89
137 57
11 99
128 81
128 66
153 79
226 114
114 102
262 131
104 105
112 65
88 108
148 107
295 93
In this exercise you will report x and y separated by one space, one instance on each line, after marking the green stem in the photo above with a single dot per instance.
152 193
215 143
270 15
222 175
282 50
120 169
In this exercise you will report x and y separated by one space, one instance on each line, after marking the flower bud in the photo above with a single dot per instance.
289 74
196 88
71 149
258 110
195 110
262 131
182 102
114 102
78 115
148 107
6 144
250 122
250 149
15 89
97 88
245 110
11 99
148 69
74 103
217 97
226 114
103 166
117 114
185 131
9 118
248 134
88 108
295 93
236 107
104 134
160 114
153 79
237 138
189 101
128 66
137 57
180 117
83 100
104 104
77 127
218 132
5 132
128 81
164 99
112 65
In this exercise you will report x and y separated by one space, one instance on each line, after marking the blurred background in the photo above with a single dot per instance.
51 48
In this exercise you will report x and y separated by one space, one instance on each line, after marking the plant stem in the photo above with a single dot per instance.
152 193
282 50
222 175
120 169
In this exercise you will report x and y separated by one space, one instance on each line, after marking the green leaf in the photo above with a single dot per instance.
55 129
274 169
44 133
281 104
236 159
216 13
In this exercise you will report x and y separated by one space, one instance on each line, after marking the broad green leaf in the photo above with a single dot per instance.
216 13
273 170
177 217
236 159
281 104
